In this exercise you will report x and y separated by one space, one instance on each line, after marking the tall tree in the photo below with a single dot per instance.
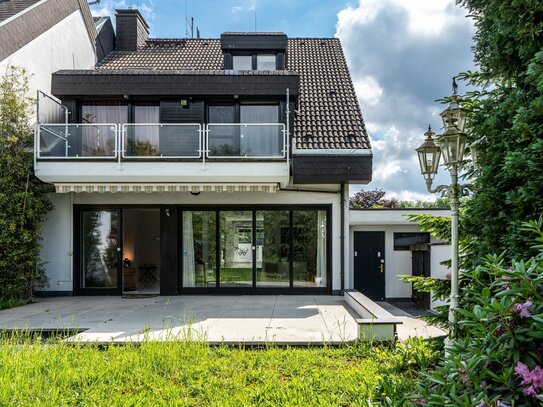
23 200
507 122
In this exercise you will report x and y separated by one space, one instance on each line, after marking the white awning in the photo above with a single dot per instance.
167 187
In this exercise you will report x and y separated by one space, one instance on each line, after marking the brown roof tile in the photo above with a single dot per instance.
328 115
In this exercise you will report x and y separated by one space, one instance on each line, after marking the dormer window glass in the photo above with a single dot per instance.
265 62
261 62
242 62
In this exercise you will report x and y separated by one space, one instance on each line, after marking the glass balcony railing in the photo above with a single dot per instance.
247 140
82 141
162 141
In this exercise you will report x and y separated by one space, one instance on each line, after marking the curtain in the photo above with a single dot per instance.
260 140
189 278
144 140
320 279
98 141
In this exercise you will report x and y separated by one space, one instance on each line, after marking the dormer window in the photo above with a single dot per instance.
261 62
242 62
265 62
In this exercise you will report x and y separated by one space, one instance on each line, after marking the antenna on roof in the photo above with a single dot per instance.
189 24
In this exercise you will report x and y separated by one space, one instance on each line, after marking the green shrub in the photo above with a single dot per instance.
23 200
496 356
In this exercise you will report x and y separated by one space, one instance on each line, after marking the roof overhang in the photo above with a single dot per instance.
172 83
332 166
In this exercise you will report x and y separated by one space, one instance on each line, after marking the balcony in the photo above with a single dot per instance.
166 153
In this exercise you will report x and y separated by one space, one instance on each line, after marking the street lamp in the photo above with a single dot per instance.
451 146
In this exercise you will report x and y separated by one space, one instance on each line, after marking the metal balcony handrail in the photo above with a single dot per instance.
64 135
120 130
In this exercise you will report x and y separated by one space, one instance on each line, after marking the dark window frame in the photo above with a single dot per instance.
424 239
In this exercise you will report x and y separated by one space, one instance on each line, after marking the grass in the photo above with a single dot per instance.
192 373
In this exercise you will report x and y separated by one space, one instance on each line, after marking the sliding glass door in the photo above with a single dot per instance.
99 251
254 250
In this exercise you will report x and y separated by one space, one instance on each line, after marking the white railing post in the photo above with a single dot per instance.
204 135
119 138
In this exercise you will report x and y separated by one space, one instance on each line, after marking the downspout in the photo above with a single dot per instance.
342 237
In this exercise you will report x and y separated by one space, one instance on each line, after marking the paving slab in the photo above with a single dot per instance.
296 319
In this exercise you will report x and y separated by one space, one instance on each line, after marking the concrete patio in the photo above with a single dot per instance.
217 319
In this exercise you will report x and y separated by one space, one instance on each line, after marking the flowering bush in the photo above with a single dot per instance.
496 358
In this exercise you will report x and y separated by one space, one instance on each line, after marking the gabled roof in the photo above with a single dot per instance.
328 115
8 8
21 21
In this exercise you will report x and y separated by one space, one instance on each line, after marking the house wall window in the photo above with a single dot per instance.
144 140
242 62
262 62
258 248
265 62
403 240
98 141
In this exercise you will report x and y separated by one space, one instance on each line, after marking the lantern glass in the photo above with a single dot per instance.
454 114
453 145
429 155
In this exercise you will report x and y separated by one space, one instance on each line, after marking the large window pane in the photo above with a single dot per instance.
242 62
199 249
93 142
265 62
272 248
143 141
309 248
99 242
260 140
236 237
223 140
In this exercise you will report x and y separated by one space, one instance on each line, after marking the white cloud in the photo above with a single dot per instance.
368 89
402 56
247 5
106 8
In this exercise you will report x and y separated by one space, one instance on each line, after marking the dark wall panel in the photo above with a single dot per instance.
323 169
169 264
171 111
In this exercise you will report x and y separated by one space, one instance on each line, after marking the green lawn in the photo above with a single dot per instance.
195 374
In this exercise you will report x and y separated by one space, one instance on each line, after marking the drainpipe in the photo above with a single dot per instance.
342 237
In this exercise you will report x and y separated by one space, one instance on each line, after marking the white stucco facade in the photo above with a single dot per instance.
66 45
397 262
58 230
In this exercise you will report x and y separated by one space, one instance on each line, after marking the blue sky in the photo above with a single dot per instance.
401 54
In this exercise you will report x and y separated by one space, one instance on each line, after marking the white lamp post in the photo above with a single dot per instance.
451 145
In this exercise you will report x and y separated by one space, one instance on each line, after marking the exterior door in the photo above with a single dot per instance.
420 266
98 260
369 264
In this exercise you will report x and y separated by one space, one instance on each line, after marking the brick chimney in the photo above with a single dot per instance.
131 30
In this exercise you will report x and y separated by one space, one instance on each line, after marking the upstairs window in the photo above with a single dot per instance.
265 62
261 62
242 62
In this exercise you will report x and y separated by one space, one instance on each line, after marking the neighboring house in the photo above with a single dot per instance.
203 166
384 244
44 36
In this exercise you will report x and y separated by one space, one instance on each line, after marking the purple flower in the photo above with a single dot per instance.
523 310
533 378
500 404
481 404
500 331
506 287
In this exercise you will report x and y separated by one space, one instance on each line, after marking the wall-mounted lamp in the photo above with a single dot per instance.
184 102
126 97
167 211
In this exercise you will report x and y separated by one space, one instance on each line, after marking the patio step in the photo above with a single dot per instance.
375 322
